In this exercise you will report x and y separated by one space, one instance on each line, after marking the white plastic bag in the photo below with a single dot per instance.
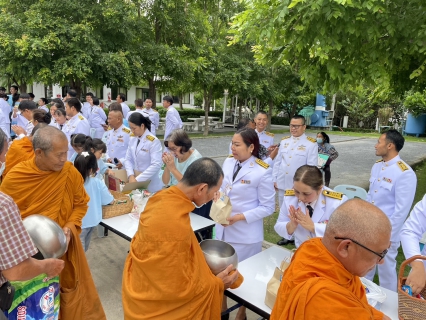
140 199
375 295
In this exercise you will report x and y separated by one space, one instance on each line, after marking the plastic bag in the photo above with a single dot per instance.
375 295
140 199
35 299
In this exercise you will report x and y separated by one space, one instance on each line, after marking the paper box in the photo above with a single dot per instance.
120 175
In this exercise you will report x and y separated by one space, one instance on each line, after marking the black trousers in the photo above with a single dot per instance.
327 174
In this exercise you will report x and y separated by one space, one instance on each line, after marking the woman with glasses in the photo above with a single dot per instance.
143 157
307 207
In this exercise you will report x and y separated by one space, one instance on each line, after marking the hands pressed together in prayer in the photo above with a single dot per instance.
169 161
298 217
18 130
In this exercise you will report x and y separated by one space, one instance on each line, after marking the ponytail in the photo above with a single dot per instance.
86 163
82 141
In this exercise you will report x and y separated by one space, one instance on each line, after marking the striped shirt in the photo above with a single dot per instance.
15 242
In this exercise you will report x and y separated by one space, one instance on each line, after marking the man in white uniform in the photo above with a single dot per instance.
265 138
392 189
117 138
121 98
77 123
23 115
5 108
294 152
138 108
84 110
152 114
173 120
86 106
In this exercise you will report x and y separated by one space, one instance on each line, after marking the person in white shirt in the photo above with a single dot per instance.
77 123
86 105
5 108
116 138
60 119
97 118
121 98
23 114
173 120
42 104
143 158
153 115
138 108
411 235
41 116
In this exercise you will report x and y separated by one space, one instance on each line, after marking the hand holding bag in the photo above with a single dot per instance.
221 209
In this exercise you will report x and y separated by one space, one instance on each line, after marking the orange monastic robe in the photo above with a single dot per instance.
19 151
317 286
165 275
60 196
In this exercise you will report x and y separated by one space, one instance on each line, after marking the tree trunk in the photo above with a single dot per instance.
207 101
76 85
271 107
152 91
180 101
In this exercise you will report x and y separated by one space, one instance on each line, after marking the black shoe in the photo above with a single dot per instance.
284 242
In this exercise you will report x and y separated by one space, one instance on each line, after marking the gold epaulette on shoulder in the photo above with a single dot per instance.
381 160
150 138
288 137
289 192
81 117
402 166
109 128
132 134
311 139
270 134
333 194
231 156
126 130
262 164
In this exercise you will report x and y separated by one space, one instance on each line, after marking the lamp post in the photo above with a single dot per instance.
225 93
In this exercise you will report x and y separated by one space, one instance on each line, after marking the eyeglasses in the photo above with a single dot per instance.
296 126
381 255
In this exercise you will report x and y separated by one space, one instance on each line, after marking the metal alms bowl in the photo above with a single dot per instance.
47 235
219 254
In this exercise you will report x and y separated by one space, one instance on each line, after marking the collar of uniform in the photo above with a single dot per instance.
298 138
74 117
122 125
261 132
392 161
312 204
144 135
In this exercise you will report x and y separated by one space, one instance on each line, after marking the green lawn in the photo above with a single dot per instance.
273 237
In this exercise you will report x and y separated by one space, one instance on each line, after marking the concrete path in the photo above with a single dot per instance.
106 256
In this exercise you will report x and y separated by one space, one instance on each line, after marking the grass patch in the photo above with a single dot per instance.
271 236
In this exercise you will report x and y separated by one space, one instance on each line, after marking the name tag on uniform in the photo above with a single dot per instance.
301 147
146 150
245 181
387 180
265 141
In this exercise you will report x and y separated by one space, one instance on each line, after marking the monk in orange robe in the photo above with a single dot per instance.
21 149
50 185
322 281
165 275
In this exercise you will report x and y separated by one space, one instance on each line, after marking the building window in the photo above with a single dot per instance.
116 90
186 98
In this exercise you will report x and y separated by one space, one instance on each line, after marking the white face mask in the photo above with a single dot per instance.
3 166
198 207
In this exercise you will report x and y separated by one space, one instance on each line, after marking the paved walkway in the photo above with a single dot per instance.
106 256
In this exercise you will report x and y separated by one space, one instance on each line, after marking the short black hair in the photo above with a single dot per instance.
57 100
393 136
181 139
203 170
122 96
44 100
89 94
27 105
98 144
138 119
95 101
262 112
243 123
139 103
15 86
24 96
74 102
169 99
299 116
31 95
72 93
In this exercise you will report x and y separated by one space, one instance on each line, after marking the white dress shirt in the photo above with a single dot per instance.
173 121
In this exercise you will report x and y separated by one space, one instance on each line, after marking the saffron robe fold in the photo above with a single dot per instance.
60 196
19 151
165 275
317 286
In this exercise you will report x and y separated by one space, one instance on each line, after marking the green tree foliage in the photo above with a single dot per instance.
335 43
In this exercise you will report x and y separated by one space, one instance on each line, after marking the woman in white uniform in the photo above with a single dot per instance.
61 118
97 118
143 158
307 207
411 234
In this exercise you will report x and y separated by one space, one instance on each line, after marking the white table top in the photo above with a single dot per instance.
258 270
196 119
127 226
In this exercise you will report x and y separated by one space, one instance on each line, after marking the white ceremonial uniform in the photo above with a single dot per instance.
97 118
154 116
75 125
131 112
85 107
292 154
145 157
265 138
117 142
25 124
125 108
392 189
325 205
4 125
173 121
44 108
252 194
413 230
5 107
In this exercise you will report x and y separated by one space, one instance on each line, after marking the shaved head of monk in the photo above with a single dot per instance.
50 148
358 235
